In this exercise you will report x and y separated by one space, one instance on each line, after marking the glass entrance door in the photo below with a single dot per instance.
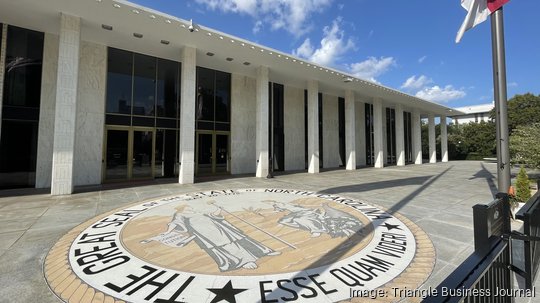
116 157
142 155
212 153
129 154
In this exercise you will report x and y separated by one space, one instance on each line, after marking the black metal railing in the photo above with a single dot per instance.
484 274
530 215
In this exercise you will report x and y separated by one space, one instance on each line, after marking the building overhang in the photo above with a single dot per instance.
132 27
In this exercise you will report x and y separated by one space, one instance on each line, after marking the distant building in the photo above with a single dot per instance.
473 113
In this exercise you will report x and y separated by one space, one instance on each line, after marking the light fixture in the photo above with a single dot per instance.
209 34
229 59
210 54
347 79
246 63
135 11
168 21
116 5
107 27
232 41
220 37
137 35
165 42
152 17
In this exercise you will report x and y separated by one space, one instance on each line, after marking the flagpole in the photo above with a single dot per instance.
501 106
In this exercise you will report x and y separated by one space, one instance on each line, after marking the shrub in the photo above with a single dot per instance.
523 193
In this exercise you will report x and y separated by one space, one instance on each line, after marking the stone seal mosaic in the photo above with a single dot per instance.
241 245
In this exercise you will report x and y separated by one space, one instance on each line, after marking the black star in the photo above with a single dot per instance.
390 226
226 293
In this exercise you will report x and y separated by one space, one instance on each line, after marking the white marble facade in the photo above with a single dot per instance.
46 111
243 127
294 128
90 114
331 158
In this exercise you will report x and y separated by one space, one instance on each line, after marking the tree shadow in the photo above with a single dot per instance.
488 176
308 275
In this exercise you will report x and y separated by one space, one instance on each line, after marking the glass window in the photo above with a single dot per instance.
223 93
24 53
144 85
167 88
205 94
119 81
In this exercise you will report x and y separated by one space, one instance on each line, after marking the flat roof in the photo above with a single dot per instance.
127 18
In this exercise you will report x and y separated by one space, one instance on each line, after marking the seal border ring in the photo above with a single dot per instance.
67 286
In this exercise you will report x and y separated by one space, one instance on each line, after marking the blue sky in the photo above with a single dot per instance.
406 45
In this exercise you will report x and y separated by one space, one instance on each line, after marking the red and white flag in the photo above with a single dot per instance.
477 12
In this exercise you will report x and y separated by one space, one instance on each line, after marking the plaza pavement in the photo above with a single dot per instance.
437 197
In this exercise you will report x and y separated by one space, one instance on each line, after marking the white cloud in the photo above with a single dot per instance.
333 46
416 83
441 95
421 59
372 67
290 15
512 84
305 50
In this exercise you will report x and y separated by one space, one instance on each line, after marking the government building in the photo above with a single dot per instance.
99 91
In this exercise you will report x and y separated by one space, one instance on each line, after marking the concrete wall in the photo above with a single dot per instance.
294 128
360 134
46 111
90 114
330 132
243 113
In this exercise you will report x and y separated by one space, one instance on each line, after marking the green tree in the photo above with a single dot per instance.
480 139
525 145
523 193
522 110
457 145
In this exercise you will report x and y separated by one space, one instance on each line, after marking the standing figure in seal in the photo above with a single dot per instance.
230 248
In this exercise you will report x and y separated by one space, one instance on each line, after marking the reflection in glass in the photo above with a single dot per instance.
142 154
18 150
278 135
119 81
390 136
165 153
205 94
222 153
370 153
408 136
223 90
144 85
204 155
167 88
24 54
117 155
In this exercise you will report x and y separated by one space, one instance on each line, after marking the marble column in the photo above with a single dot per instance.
416 137
262 130
444 140
66 105
186 173
313 126
400 136
378 144
431 139
350 130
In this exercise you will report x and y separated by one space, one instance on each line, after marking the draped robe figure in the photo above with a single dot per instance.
229 247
